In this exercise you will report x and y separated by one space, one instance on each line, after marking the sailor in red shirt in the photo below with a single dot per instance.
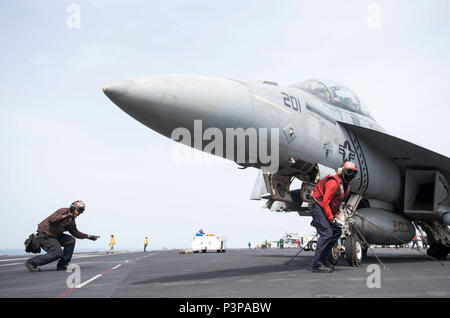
328 195
415 242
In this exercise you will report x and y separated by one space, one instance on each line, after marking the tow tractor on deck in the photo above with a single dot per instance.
206 243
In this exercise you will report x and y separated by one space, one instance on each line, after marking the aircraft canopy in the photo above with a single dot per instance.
334 93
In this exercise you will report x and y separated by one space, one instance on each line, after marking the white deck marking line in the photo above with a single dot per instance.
88 281
92 279
74 256
20 259
11 264
86 256
99 275
270 103
13 259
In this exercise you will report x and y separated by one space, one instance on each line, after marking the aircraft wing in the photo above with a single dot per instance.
404 153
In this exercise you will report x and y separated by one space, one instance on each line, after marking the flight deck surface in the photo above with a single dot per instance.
249 273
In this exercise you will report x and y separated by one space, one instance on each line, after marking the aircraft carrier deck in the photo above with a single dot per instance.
247 273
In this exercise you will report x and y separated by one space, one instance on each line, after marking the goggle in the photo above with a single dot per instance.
80 209
350 172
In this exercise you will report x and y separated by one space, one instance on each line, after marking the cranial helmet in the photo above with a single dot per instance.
348 171
78 206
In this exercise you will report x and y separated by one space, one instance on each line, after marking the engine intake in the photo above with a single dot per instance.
427 195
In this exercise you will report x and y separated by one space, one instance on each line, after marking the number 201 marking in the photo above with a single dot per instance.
291 102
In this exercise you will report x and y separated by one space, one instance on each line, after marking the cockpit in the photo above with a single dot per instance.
334 93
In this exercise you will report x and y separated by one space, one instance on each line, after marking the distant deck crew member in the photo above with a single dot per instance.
327 196
145 244
112 242
415 242
424 241
51 237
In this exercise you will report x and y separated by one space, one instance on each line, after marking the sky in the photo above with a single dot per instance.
62 139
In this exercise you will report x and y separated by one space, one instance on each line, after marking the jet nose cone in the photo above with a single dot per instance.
117 90
167 102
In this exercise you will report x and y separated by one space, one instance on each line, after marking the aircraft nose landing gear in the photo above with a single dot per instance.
333 255
353 250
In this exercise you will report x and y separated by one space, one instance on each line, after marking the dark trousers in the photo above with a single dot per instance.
54 251
328 235
145 247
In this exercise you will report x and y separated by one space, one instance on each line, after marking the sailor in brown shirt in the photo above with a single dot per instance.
51 237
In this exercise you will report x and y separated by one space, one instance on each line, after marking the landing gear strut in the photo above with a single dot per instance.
438 236
352 243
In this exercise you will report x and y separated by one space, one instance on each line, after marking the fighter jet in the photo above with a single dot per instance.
304 131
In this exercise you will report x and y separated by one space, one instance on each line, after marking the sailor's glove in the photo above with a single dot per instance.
334 222
93 237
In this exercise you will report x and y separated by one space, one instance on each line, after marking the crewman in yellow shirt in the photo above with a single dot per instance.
145 243
112 242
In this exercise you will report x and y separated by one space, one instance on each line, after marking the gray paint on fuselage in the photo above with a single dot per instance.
167 102
319 140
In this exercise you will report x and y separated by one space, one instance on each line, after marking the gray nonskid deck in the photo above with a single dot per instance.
236 273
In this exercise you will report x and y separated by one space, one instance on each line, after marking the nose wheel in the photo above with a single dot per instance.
333 254
353 250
